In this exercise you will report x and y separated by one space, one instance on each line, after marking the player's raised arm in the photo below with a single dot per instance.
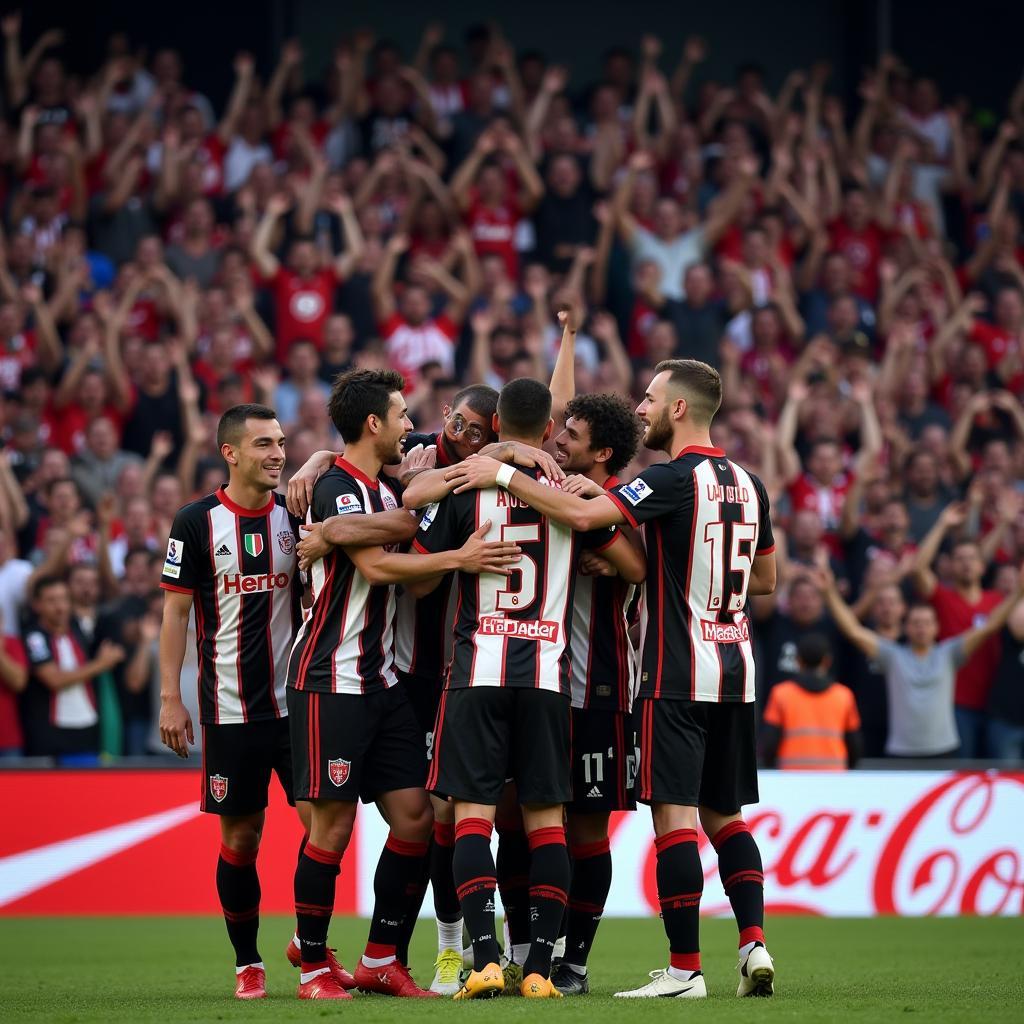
175 721
582 514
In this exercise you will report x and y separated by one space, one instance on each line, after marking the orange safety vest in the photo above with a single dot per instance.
813 725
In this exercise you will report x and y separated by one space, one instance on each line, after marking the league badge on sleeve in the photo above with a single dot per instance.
172 563
347 504
636 491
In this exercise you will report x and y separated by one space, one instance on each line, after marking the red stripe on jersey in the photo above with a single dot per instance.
661 604
687 611
222 497
238 628
438 724
417 546
354 471
341 633
317 624
270 619
476 584
766 551
216 624
177 590
622 508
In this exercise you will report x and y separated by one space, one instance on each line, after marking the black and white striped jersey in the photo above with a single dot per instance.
511 630
239 566
704 520
346 643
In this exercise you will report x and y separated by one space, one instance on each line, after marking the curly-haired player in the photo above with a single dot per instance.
601 436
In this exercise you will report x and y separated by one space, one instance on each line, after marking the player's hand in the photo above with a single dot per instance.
476 473
176 726
595 565
417 459
582 486
313 546
110 654
300 486
497 557
518 454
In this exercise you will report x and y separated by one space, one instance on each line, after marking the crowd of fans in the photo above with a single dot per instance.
856 274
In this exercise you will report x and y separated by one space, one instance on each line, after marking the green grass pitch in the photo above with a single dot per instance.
179 969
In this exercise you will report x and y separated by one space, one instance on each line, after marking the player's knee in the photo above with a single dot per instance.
415 823
713 822
581 829
669 817
241 834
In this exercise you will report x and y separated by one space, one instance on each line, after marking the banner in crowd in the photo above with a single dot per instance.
856 844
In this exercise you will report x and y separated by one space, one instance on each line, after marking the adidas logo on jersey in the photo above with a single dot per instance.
595 791
222 550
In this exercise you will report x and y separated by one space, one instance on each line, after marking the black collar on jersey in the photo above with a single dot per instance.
342 463
696 449
245 513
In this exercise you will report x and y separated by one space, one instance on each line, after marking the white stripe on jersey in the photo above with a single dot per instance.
582 605
281 599
751 514
226 653
704 585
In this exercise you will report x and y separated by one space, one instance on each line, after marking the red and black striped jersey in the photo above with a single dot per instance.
239 566
602 657
510 630
346 643
704 520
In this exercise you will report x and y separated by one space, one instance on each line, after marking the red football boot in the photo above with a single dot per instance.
344 978
390 980
251 984
323 986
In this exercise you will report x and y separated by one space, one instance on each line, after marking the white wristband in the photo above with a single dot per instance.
504 475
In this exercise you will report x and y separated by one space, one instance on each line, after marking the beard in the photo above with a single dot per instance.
659 433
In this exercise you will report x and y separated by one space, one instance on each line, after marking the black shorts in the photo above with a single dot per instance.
238 761
695 753
603 761
489 734
348 746
424 693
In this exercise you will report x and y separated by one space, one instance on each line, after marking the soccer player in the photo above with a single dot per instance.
600 438
505 710
354 733
709 545
231 556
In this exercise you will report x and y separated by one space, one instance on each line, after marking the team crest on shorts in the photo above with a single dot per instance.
337 770
286 542
218 787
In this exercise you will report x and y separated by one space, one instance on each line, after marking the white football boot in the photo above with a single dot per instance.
663 986
757 973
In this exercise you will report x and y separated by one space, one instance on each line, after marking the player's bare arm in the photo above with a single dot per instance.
628 559
374 529
299 494
433 485
578 513
763 575
848 623
175 721
477 556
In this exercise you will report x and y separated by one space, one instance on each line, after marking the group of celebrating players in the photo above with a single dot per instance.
567 643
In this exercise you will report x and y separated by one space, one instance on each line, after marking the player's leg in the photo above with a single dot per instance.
671 737
321 726
513 875
394 774
237 766
447 910
729 781
540 765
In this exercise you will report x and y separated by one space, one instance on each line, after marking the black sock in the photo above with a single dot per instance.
416 892
591 880
739 865
514 883
680 886
442 881
395 885
549 885
315 876
473 870
238 886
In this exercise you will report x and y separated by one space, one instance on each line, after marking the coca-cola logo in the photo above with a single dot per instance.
952 849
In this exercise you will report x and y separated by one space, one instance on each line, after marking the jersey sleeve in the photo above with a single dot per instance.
765 536
598 540
187 552
441 527
658 491
336 495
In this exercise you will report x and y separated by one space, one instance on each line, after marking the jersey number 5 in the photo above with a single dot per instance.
739 561
506 599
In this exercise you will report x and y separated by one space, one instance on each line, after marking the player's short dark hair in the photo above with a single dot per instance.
701 383
524 406
813 651
481 398
44 583
613 424
231 427
360 393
